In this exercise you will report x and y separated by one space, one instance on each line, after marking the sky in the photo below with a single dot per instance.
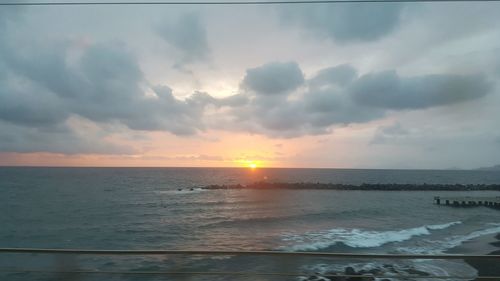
349 85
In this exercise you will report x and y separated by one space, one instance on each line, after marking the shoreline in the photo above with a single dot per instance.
487 267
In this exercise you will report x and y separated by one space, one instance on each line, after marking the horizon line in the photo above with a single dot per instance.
207 3
240 167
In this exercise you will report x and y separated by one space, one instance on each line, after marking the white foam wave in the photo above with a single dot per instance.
440 246
356 238
442 226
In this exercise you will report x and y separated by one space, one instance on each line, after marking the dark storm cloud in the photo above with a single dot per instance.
389 90
274 78
346 22
189 36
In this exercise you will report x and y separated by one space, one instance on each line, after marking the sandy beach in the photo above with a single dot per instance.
487 267
487 244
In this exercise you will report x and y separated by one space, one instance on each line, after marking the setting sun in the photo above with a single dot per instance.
251 164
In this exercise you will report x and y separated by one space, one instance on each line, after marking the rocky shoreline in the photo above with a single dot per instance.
483 267
350 274
364 186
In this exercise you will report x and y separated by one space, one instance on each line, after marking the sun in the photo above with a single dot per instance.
250 164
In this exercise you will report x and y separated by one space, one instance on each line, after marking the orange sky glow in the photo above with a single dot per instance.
219 149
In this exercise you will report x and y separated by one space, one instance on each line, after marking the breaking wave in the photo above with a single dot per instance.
356 238
441 246
442 226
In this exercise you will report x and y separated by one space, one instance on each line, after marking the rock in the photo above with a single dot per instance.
350 271
354 275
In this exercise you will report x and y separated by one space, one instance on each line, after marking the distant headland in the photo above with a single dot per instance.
364 186
490 168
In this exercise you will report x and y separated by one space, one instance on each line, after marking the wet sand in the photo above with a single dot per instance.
488 267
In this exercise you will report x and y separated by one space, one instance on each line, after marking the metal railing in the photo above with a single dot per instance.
243 253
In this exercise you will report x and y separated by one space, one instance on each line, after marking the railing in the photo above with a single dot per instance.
243 253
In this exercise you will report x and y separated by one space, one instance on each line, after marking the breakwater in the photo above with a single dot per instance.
365 186
468 201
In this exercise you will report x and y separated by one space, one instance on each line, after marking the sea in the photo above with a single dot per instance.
166 209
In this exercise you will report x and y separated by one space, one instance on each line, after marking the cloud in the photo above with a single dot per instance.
385 133
390 91
346 22
9 14
43 86
29 106
42 90
62 139
336 96
280 109
202 99
328 107
273 78
189 36
340 75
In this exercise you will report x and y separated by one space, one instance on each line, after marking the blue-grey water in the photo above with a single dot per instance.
142 208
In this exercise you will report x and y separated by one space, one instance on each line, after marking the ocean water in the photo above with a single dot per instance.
142 208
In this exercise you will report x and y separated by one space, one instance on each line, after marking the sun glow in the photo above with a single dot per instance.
251 164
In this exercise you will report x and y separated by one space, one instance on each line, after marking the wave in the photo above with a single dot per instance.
357 238
273 218
441 246
442 226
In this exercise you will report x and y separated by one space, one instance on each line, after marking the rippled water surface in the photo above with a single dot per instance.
106 208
